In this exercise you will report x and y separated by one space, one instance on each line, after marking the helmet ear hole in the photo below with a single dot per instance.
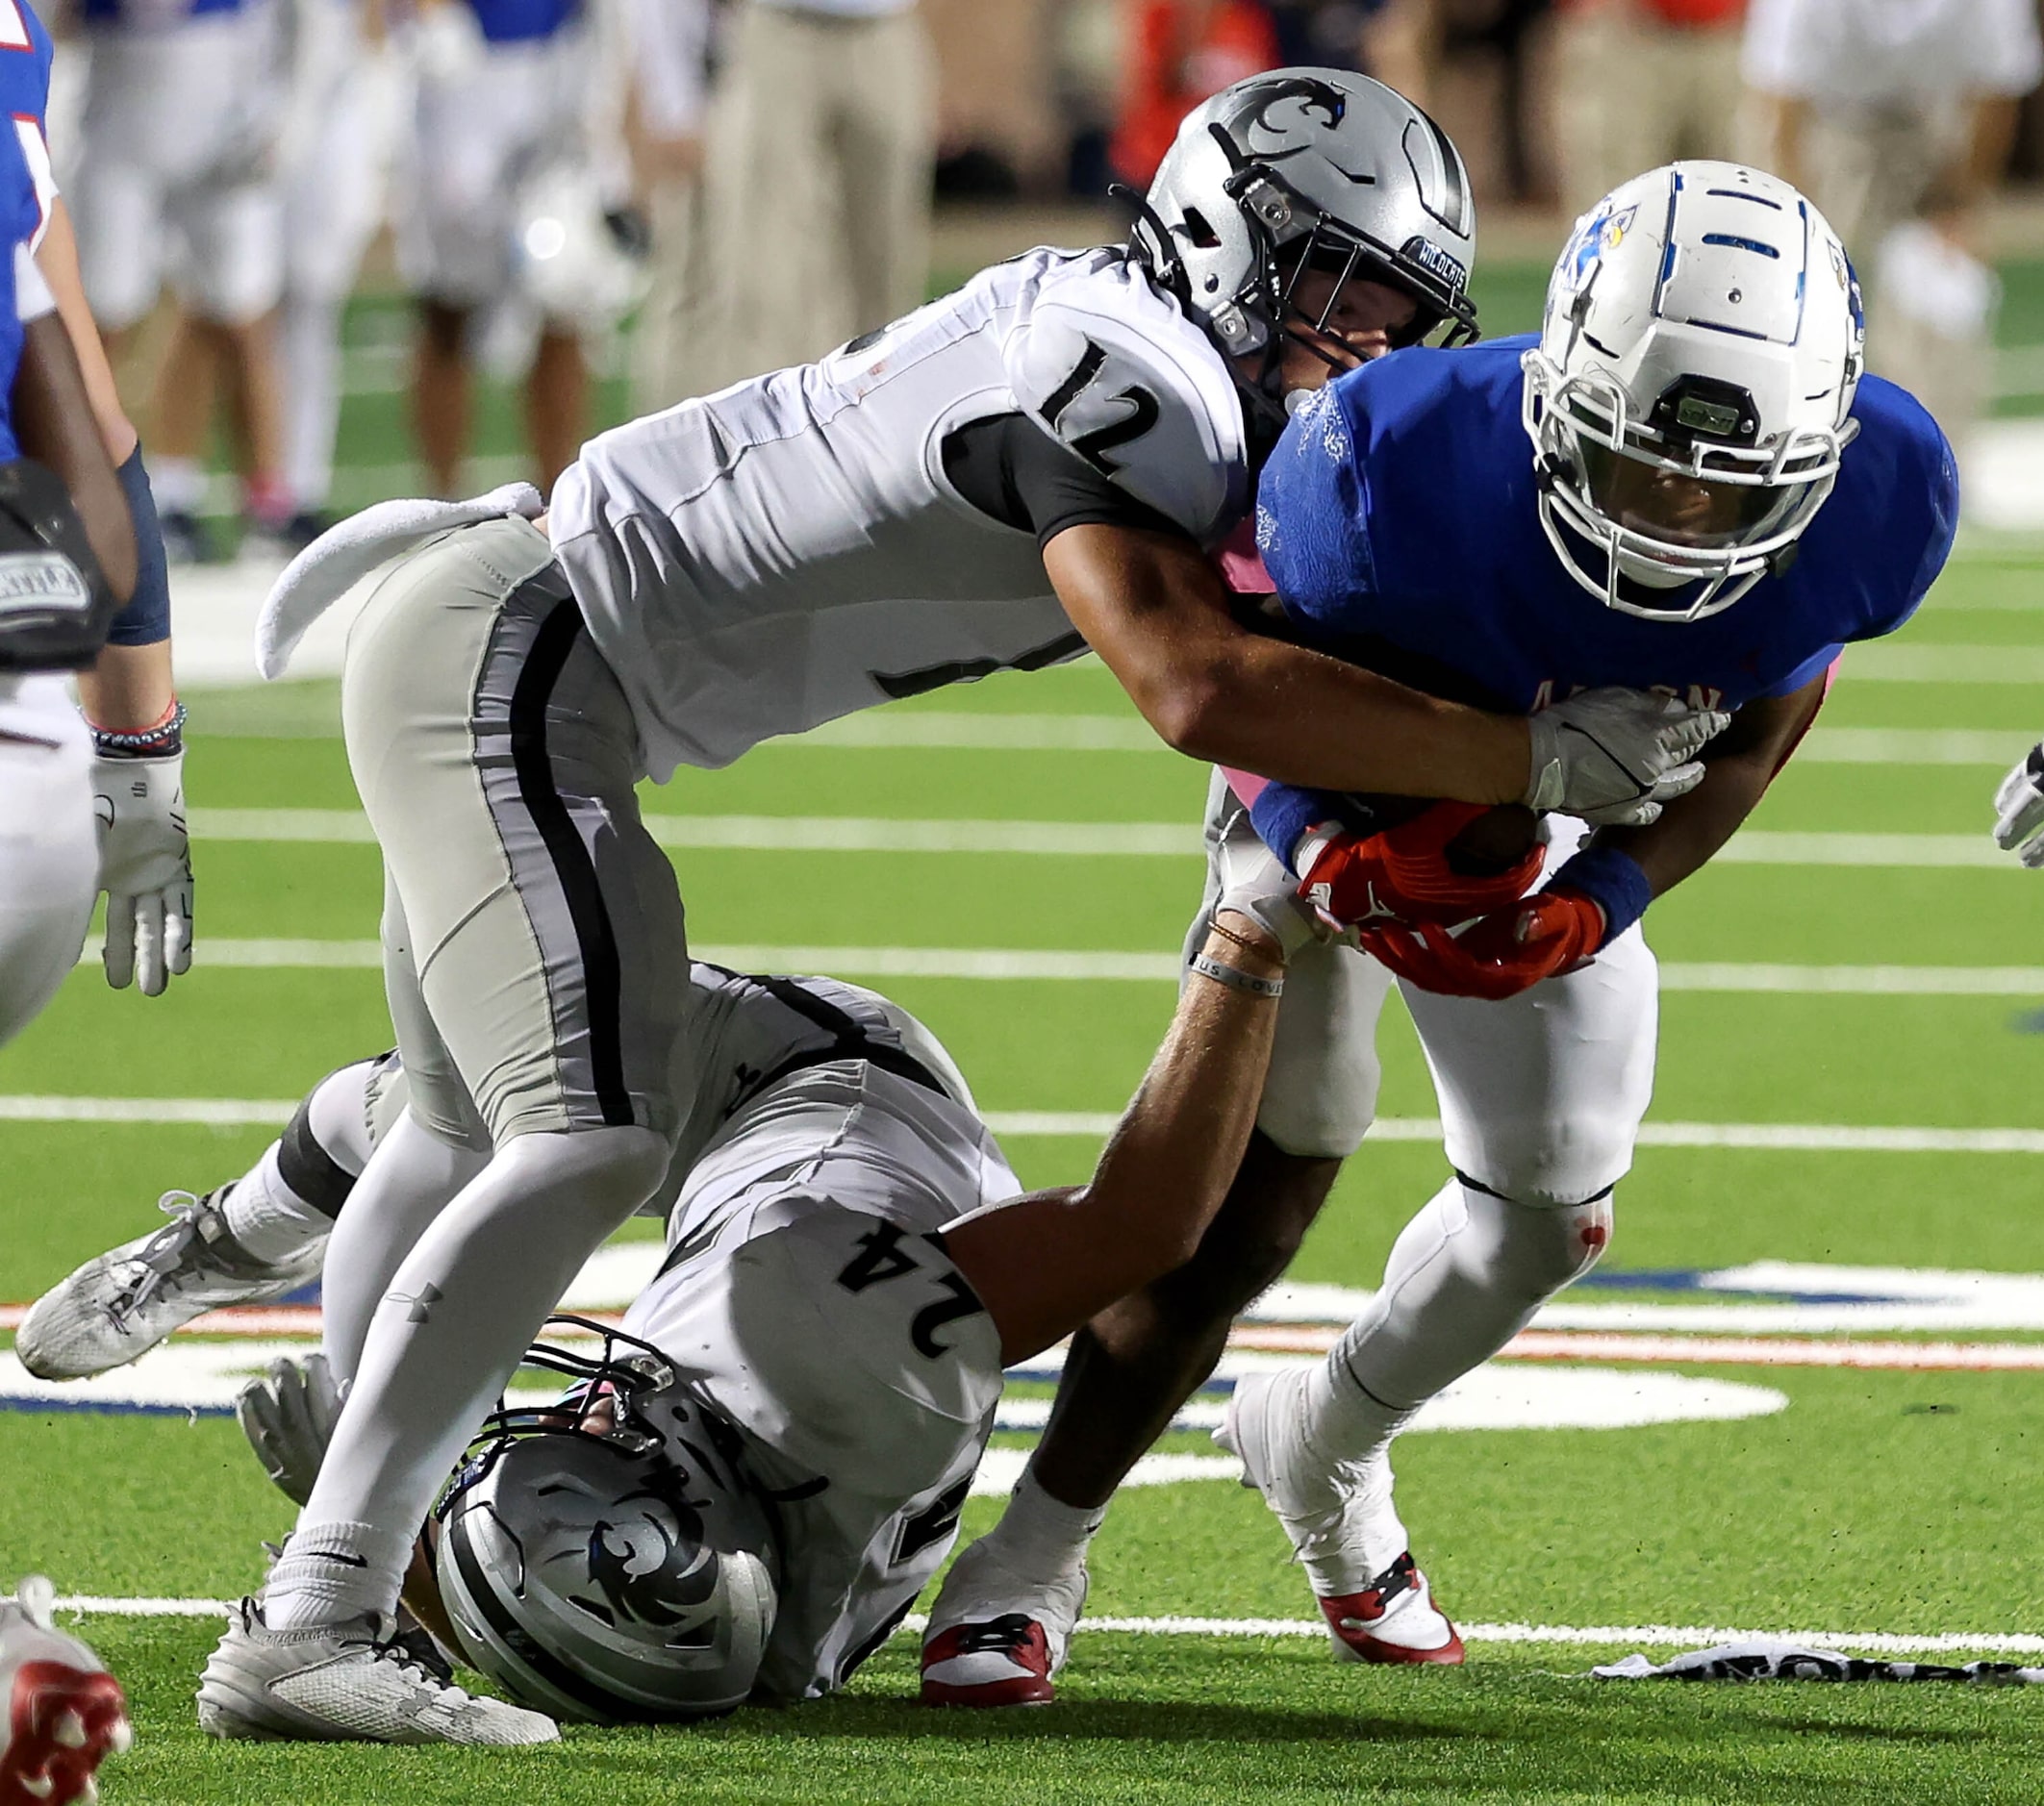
1198 232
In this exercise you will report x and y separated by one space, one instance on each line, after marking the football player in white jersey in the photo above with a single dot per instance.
850 1267
183 108
1044 460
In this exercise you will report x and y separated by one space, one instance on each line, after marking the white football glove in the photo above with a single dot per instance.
2019 802
1256 883
1613 757
289 1417
145 869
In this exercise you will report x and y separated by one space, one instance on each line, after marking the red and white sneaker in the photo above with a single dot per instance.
60 1713
996 1639
1342 1525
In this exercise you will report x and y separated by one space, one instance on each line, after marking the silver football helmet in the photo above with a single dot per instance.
1308 168
607 1560
1690 396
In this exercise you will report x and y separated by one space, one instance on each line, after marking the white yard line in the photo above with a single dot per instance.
1142 840
1790 1137
1908 661
1878 1643
998 964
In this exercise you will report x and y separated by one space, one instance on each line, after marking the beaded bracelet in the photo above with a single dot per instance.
1235 978
161 739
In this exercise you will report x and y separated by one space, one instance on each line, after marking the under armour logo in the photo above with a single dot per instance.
422 1303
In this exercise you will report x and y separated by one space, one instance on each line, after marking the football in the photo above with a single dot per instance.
1493 841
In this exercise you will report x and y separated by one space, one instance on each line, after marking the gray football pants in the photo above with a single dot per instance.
535 951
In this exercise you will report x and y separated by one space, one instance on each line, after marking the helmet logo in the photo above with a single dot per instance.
683 1573
1605 232
1313 96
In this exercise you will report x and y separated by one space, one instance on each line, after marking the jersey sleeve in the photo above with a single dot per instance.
1112 372
1311 526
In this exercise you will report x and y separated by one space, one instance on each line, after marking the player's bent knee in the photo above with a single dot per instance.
1541 1248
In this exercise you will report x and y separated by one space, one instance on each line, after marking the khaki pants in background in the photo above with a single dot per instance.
821 146
1632 93
1869 168
673 357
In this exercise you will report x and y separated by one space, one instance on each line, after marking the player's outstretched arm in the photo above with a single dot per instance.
1156 612
1048 1263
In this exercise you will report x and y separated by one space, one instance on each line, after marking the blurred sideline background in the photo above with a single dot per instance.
706 189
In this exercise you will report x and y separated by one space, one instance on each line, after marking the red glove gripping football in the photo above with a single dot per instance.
1402 874
1511 950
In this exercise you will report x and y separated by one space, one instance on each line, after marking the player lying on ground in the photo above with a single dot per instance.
1632 498
1050 453
851 1269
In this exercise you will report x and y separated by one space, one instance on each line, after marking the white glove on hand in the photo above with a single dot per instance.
2019 802
145 869
1613 757
1262 889
289 1417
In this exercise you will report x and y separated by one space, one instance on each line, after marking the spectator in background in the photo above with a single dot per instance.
1180 53
671 43
1896 118
1641 83
817 170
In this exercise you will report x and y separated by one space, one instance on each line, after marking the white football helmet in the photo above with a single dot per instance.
607 1560
1307 168
576 259
1688 400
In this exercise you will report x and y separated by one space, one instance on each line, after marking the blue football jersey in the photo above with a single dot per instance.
522 21
1397 519
20 219
25 52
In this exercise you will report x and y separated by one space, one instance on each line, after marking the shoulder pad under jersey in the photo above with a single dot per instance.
1113 369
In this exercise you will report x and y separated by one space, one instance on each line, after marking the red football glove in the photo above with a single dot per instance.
1402 874
1511 950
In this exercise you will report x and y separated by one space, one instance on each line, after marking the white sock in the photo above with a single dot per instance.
332 1572
325 1148
267 1218
451 1329
178 483
1465 1276
1042 1537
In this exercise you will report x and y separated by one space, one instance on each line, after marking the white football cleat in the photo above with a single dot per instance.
347 1683
60 1713
115 1308
1342 1525
996 1639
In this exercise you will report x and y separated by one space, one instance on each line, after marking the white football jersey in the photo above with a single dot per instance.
806 1303
789 550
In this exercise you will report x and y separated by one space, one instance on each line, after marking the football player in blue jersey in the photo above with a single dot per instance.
66 565
1685 482
128 693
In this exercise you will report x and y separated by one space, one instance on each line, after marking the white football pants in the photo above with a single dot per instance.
49 844
1541 1096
